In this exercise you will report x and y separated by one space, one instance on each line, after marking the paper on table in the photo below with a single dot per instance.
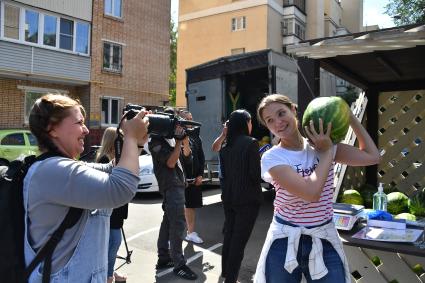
388 235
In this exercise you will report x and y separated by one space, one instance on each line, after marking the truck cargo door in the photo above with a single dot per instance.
205 102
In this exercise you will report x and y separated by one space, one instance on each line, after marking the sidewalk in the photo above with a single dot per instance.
205 263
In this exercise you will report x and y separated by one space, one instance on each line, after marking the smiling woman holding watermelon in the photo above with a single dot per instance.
302 239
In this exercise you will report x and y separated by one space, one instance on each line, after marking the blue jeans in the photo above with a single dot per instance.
114 245
276 272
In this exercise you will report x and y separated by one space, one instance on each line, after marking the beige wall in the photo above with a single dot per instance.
333 10
352 15
190 6
315 20
208 38
274 30
205 28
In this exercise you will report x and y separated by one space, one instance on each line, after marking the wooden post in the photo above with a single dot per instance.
372 128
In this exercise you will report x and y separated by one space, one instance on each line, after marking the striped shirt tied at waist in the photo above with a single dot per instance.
316 264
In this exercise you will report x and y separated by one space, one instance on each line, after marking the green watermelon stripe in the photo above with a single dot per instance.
330 109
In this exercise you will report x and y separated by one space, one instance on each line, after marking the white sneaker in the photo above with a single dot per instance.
193 237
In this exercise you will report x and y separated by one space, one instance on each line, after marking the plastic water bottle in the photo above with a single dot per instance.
380 199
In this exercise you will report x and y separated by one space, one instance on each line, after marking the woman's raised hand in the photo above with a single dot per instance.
137 127
321 141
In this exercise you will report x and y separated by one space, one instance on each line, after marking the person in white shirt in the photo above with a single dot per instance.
302 242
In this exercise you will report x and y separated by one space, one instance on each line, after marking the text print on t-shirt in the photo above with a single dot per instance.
305 172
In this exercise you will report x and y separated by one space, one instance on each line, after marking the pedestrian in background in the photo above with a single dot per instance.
216 147
302 239
54 185
169 156
194 175
241 192
105 154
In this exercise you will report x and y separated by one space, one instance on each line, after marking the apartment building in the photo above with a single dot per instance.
130 58
105 52
211 29
44 47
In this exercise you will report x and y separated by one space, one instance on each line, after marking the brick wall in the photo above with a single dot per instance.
12 100
144 33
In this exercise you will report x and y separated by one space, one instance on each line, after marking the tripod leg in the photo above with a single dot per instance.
128 258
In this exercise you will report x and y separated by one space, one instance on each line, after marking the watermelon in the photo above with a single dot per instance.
352 197
417 204
331 109
397 203
406 216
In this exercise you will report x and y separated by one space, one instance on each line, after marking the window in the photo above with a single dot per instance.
111 110
113 8
82 44
293 27
31 26
66 34
287 27
50 26
238 23
112 54
235 51
11 21
13 139
45 30
298 3
299 30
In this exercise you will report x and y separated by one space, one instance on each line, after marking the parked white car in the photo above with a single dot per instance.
148 182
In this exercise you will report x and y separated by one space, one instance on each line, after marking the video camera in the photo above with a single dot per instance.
162 124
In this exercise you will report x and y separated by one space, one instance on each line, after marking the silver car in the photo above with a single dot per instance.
147 181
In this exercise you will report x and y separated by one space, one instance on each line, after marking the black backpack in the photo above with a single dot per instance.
12 223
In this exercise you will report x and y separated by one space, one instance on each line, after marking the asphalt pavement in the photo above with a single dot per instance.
142 226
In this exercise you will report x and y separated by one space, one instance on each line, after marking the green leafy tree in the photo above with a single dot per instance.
173 63
406 12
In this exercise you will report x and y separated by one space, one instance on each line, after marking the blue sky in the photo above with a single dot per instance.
373 13
174 10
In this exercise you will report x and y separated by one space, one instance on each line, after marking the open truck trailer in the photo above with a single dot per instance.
216 88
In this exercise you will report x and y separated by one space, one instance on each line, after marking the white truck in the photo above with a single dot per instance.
216 88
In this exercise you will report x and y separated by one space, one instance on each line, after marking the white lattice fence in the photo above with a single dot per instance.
347 177
389 267
402 137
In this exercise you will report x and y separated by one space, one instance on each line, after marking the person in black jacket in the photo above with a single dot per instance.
241 190
105 154
194 174
170 157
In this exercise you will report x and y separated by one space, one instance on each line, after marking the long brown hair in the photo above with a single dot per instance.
107 144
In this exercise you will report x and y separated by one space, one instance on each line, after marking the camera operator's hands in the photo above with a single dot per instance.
179 133
186 146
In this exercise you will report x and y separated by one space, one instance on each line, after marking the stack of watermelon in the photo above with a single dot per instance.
331 109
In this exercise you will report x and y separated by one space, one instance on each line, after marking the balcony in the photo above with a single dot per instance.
22 61
300 4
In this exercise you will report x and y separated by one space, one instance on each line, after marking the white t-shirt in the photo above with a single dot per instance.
292 208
